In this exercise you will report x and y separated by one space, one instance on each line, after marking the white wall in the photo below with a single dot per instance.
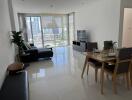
127 28
44 6
101 19
11 13
48 6
6 55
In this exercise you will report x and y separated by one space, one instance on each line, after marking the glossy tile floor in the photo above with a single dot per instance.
60 79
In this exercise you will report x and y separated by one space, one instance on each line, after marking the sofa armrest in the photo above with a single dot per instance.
33 46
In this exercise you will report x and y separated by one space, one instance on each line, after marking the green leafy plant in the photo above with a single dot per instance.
17 39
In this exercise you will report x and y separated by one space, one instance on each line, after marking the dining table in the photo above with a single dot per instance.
100 57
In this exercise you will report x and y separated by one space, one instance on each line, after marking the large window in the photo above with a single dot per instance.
48 30
34 31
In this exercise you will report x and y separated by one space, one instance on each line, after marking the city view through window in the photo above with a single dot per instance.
48 30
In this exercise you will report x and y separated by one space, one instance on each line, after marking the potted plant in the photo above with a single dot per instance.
17 39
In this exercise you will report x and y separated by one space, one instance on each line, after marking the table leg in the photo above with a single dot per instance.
84 67
102 78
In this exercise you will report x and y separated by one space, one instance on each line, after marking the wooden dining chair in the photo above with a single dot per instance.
108 45
121 67
91 62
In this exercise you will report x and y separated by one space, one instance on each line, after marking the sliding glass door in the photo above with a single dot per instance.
34 31
54 31
47 30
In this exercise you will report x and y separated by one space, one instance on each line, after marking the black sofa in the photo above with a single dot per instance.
15 87
33 53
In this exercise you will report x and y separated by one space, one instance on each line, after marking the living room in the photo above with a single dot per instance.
58 75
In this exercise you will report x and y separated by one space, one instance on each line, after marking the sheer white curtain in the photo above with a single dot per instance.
55 29
72 27
22 26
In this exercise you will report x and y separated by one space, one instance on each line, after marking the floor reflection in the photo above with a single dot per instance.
40 74
62 62
60 79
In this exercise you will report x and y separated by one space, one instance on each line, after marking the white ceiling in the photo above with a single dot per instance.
63 5
56 2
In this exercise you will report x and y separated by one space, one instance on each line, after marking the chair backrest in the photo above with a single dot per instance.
108 45
123 60
125 53
91 46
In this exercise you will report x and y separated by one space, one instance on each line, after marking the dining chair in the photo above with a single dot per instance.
108 45
121 67
91 62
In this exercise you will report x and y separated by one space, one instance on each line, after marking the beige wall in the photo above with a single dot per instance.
127 28
124 4
6 50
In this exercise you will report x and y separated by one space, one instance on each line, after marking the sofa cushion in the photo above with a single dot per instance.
40 50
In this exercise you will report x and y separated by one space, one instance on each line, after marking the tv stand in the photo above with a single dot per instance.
80 46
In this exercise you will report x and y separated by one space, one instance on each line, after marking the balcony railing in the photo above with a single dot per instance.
50 40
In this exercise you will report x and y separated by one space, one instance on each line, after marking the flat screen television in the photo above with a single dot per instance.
82 35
